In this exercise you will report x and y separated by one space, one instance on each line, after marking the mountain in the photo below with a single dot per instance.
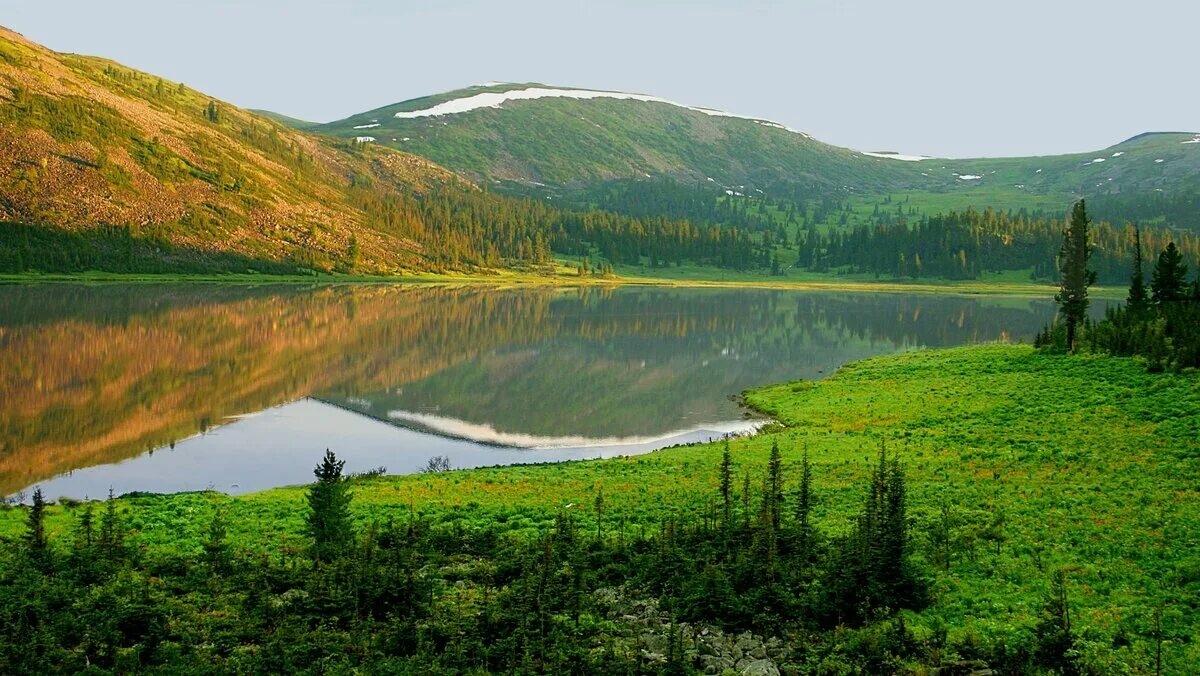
533 133
529 135
100 162
103 167
285 120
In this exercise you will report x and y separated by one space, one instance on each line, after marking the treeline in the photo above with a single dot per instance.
462 226
444 595
1179 208
25 248
963 245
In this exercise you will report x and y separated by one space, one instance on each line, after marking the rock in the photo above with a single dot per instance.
964 668
757 667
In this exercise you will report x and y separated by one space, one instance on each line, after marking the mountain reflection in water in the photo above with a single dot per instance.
98 375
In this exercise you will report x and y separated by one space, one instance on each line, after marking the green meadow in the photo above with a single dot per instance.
1018 464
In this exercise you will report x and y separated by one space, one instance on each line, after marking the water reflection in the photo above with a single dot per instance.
96 375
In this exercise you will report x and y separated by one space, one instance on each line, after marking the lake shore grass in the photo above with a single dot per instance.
565 277
1019 463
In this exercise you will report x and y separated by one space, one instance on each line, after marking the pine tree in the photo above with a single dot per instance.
1072 296
1053 630
804 531
328 522
36 543
1168 281
1138 298
112 530
773 498
727 481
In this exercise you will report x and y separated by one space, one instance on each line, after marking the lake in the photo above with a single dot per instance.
238 388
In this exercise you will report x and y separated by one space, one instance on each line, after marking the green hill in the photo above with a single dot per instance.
549 137
93 153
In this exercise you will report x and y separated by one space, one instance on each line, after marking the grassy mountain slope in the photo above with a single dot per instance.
287 121
569 142
564 141
86 143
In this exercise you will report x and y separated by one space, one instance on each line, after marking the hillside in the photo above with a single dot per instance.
531 133
87 144
534 135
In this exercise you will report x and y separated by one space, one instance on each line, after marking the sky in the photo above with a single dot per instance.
954 79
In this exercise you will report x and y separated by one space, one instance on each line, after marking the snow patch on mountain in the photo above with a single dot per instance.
896 156
367 126
969 177
1194 140
497 99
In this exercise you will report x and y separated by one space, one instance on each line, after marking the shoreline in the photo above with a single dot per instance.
508 280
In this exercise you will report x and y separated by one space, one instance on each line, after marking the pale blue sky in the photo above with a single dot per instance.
964 78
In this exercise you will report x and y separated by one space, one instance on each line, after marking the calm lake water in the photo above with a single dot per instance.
237 389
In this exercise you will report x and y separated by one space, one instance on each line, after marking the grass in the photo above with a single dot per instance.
1088 463
562 273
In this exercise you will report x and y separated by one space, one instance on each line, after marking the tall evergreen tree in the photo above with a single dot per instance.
36 543
1053 631
727 481
1138 297
1076 277
1168 281
804 529
774 488
328 522
112 530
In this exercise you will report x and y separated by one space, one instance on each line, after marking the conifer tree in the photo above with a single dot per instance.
804 508
773 498
1053 631
328 521
727 481
1072 296
112 530
86 533
1138 298
36 543
1168 281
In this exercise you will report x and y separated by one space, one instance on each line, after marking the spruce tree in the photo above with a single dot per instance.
727 481
1168 282
112 530
804 508
1076 277
36 543
773 500
1138 297
328 521
1053 630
